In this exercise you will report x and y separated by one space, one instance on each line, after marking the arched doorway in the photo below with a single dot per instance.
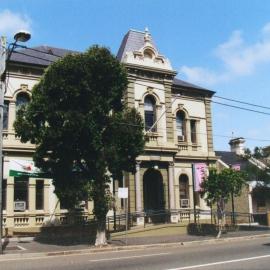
153 192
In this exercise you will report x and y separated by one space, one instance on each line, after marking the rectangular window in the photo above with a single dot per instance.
21 189
4 194
39 194
5 116
193 131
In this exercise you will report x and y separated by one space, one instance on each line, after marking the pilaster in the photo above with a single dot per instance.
168 108
32 201
129 94
11 114
208 116
10 202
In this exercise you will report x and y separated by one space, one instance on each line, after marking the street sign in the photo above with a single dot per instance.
123 193
3 44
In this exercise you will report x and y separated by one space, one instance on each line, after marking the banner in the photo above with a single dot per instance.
20 167
236 167
200 171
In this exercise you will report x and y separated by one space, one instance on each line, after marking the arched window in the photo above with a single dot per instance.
181 126
22 99
184 191
150 113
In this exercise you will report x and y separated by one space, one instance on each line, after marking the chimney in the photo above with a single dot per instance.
237 145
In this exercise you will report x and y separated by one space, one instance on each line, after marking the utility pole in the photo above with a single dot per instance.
2 92
21 36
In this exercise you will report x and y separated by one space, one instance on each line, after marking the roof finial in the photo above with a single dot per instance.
147 36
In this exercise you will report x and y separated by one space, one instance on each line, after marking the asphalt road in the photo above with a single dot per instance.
243 254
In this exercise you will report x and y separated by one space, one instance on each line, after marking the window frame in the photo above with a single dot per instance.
150 115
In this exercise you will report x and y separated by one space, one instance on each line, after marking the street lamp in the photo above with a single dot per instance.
21 36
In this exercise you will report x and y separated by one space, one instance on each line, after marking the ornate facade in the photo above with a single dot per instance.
178 127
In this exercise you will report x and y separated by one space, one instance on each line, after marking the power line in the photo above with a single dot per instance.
240 108
224 104
43 59
49 53
36 50
201 133
242 102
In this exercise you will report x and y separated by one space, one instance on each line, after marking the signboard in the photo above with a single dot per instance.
19 206
200 171
20 167
236 167
123 193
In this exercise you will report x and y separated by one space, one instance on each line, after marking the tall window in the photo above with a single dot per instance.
5 116
22 99
193 131
180 126
183 186
21 189
150 113
184 191
39 194
4 194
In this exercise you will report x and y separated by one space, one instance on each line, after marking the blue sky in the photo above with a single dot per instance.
221 45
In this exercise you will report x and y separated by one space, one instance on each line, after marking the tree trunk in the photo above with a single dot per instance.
221 216
101 239
100 211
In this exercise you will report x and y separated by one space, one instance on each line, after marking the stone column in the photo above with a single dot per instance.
174 216
10 206
46 196
140 218
32 201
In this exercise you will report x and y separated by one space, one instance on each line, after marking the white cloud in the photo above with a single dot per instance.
11 22
237 59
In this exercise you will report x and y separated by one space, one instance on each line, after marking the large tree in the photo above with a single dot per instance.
84 135
218 187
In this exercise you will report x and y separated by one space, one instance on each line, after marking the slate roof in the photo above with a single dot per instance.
132 41
45 55
178 82
41 55
231 158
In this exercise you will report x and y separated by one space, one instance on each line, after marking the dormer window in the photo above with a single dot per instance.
148 54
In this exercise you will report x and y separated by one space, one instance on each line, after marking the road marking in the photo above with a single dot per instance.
129 257
21 248
221 262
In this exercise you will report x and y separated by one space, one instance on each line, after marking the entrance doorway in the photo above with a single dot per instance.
153 191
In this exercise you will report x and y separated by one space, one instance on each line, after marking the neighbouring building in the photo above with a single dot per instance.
250 201
178 126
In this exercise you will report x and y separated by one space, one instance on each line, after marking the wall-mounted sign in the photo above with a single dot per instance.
123 193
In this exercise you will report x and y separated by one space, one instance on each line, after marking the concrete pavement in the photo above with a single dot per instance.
238 254
163 235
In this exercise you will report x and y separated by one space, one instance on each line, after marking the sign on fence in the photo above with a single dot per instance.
123 193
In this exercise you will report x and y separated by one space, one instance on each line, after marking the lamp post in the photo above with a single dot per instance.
21 36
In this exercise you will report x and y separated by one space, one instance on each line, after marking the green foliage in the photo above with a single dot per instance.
80 127
259 170
221 185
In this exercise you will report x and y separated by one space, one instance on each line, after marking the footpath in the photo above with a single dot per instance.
150 237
